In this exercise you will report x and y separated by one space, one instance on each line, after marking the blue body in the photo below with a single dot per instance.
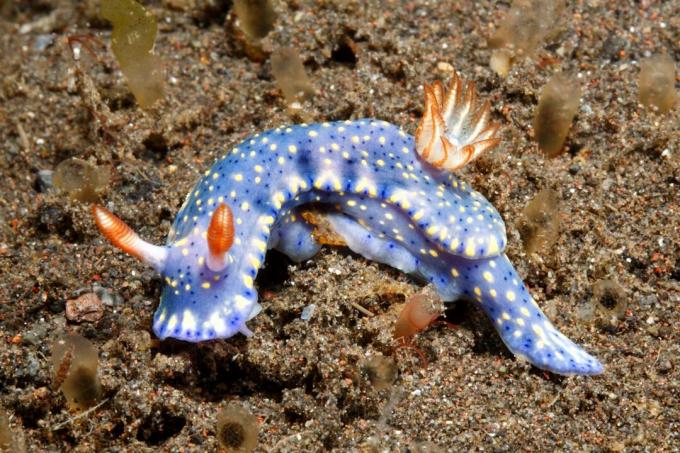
386 203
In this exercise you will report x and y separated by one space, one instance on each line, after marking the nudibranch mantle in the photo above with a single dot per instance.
382 195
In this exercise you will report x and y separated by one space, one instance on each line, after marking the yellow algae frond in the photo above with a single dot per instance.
132 39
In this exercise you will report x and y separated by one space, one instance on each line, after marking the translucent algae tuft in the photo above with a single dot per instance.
557 106
381 371
80 179
657 83
611 299
237 429
6 440
74 364
290 75
540 221
133 36
526 26
255 17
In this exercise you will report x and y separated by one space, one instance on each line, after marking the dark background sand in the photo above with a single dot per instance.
306 381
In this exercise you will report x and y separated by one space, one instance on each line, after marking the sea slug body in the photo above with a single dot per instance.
391 196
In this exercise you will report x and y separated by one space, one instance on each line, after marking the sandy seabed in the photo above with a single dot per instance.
306 381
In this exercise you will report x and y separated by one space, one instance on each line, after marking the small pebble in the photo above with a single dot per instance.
43 180
86 308
308 312
664 365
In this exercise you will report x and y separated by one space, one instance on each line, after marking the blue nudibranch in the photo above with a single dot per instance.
390 196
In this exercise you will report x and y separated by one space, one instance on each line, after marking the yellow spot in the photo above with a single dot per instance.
539 330
540 344
238 177
380 162
478 291
281 160
201 260
418 215
245 206
267 220
492 264
454 244
488 277
260 245
355 139
272 147
382 140
351 203
258 168
172 322
255 262
492 292
345 154
519 321
215 175
181 242
510 295
161 317
187 287
525 312
454 272
517 333
470 249
505 315
248 281
335 146
431 230
292 149
205 285
312 133
404 150
433 253
492 248
216 278
185 252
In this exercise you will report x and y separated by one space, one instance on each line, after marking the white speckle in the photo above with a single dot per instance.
308 312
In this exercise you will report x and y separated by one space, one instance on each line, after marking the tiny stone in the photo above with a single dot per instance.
308 312
43 180
574 169
86 308
664 365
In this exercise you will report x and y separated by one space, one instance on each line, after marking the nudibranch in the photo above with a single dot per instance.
392 197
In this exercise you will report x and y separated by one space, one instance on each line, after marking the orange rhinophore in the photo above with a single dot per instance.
454 129
220 237
123 237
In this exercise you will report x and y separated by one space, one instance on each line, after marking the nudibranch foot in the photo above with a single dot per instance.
494 285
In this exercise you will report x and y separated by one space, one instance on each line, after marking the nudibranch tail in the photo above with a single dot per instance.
220 236
124 238
454 130
524 328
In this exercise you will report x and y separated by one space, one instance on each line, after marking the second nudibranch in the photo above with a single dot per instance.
391 197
